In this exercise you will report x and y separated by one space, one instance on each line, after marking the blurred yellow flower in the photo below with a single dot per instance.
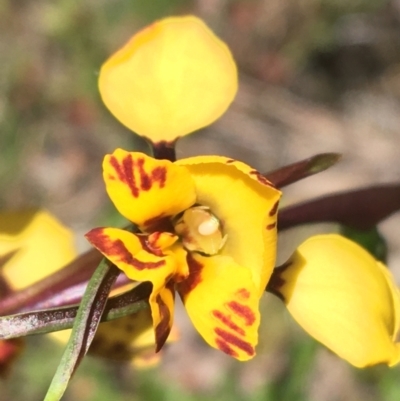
172 78
207 229
33 245
37 245
345 299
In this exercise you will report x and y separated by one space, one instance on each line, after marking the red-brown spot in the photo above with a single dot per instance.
274 209
126 174
260 178
227 321
242 311
225 347
194 277
118 250
243 293
163 328
271 226
237 342
229 161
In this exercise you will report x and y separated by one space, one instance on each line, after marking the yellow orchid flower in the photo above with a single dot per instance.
207 228
170 79
345 299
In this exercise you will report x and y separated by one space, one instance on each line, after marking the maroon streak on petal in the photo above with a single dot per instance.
243 293
116 248
237 342
271 226
260 178
227 321
194 278
274 209
163 329
225 347
302 169
361 208
243 311
159 174
126 174
145 179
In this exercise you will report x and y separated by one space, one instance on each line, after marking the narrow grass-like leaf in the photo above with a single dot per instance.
46 321
86 322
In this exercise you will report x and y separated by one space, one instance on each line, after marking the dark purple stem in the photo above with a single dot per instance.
164 151
78 271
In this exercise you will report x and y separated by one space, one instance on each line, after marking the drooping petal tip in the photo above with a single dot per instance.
172 78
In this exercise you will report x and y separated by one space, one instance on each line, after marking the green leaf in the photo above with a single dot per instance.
87 320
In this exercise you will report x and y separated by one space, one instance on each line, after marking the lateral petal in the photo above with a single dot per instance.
246 204
345 299
146 190
222 301
133 255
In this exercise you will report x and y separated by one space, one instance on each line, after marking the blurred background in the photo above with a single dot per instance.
315 76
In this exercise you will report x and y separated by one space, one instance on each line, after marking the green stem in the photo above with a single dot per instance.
85 326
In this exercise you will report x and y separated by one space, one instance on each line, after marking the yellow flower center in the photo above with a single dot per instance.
200 230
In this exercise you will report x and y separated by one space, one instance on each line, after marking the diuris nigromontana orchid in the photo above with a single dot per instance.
207 229
206 225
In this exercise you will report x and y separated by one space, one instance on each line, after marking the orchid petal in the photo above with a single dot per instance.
169 80
146 190
222 302
246 205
